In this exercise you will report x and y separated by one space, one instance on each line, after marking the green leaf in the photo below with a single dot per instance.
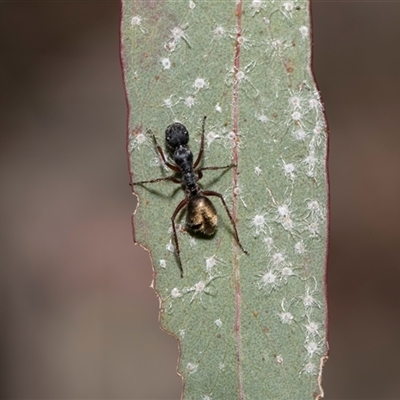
249 326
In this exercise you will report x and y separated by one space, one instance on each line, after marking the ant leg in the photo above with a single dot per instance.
160 151
199 157
211 193
168 178
225 166
177 209
200 170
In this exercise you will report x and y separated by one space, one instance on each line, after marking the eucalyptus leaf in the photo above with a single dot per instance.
249 326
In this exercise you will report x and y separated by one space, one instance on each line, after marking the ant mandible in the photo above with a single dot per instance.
201 215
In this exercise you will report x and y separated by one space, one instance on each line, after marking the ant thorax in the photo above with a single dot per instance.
183 158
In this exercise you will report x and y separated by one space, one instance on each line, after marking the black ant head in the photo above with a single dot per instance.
176 135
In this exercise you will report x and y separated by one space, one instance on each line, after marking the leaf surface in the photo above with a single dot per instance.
249 326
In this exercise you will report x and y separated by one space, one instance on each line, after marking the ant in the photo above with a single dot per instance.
201 215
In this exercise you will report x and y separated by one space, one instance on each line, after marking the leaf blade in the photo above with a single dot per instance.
248 326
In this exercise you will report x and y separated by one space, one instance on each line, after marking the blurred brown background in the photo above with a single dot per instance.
78 319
